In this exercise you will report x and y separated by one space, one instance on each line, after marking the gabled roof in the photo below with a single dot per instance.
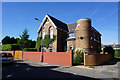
56 23
72 27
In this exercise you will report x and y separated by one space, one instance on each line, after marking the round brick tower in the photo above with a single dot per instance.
82 34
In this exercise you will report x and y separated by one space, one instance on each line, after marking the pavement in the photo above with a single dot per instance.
25 69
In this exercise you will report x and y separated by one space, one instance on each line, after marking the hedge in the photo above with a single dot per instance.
10 47
117 52
29 49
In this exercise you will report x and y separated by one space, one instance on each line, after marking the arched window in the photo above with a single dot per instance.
51 34
43 35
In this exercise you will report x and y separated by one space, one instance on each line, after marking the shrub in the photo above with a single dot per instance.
108 49
7 47
10 47
29 49
117 52
78 56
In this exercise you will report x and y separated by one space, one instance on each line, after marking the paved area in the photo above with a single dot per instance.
24 69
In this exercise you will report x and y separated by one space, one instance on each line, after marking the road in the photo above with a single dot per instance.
24 70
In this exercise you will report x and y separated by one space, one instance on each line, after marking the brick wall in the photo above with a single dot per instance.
61 40
96 59
83 30
61 58
34 56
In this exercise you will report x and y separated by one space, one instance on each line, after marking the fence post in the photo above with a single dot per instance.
84 59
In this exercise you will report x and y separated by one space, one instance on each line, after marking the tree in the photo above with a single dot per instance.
24 38
31 44
6 40
13 40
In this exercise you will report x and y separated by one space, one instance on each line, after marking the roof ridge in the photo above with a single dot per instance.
56 19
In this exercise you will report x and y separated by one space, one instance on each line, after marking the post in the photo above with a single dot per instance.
41 59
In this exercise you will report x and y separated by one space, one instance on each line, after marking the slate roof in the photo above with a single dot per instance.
72 27
59 24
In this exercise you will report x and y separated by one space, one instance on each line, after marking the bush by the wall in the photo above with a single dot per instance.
78 56
29 49
77 59
7 47
117 52
10 47
108 49
16 47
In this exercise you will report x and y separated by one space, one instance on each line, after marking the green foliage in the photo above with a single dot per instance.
38 44
78 56
31 44
10 47
24 38
29 49
7 47
117 53
45 42
8 40
15 47
108 49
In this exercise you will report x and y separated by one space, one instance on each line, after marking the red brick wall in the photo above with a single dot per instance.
34 56
60 58
12 52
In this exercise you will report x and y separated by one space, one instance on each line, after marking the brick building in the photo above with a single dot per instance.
70 36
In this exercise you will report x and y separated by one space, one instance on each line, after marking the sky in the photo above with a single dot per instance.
16 16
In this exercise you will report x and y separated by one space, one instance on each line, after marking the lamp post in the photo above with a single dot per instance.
41 56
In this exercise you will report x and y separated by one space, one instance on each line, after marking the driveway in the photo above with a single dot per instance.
24 70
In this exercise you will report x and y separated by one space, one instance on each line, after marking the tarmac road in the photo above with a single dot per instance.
31 70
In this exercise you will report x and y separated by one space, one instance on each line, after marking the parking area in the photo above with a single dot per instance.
25 69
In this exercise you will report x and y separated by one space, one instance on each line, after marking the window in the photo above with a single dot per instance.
50 48
98 37
91 46
71 48
51 34
91 37
43 35
72 35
